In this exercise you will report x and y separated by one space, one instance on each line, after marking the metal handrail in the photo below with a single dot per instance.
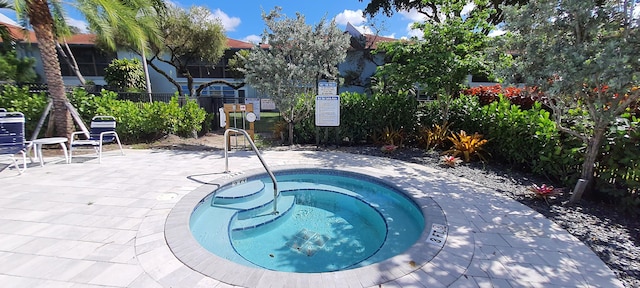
255 149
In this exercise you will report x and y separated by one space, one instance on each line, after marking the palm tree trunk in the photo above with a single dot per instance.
71 61
42 23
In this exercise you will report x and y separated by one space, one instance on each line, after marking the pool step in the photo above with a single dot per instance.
259 216
240 193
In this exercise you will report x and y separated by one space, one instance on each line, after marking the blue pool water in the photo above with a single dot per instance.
327 221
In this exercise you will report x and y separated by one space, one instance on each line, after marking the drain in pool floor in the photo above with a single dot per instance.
307 242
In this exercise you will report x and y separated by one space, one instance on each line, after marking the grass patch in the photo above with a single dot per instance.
264 125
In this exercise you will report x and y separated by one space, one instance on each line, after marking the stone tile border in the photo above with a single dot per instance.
444 260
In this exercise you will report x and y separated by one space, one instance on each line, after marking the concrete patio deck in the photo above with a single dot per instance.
86 224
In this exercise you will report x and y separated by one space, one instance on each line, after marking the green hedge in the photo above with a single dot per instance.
362 117
141 122
32 105
137 122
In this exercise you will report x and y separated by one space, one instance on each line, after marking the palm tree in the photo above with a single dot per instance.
104 18
5 34
42 23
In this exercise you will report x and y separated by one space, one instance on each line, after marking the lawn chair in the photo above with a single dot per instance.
12 137
102 131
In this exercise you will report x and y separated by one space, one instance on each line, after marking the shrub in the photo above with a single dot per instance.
618 167
355 118
364 117
125 75
548 152
141 122
32 105
190 119
489 94
87 104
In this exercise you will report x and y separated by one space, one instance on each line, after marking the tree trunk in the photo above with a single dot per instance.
190 84
290 133
42 23
593 148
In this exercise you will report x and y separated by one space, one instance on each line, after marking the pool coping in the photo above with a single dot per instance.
422 257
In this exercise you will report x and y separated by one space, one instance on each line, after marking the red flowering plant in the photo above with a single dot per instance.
450 160
544 191
488 94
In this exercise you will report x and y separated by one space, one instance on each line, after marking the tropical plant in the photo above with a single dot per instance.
435 136
580 55
104 18
516 95
125 75
299 55
279 129
389 148
467 145
390 137
450 161
544 191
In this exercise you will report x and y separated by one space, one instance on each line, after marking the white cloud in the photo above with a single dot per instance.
229 23
413 15
255 39
350 16
80 24
414 32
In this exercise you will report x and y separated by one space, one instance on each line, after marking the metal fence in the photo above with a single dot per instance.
211 104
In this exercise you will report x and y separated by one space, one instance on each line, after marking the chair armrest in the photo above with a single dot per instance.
74 134
107 133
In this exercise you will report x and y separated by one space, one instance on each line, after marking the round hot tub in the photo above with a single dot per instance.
325 221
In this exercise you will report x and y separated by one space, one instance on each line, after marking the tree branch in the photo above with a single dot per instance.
161 72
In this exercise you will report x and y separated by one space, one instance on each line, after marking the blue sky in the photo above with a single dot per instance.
242 19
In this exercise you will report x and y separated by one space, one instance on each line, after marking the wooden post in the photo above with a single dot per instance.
229 108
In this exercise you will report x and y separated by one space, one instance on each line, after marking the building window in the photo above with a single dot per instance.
221 69
91 61
214 91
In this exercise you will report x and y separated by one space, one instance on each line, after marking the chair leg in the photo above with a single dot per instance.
119 145
100 152
24 163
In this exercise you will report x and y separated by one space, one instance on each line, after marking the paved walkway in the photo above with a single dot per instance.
94 225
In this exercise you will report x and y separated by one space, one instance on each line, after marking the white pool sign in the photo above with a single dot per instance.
328 111
327 105
327 88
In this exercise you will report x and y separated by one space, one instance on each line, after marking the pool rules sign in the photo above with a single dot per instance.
327 105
